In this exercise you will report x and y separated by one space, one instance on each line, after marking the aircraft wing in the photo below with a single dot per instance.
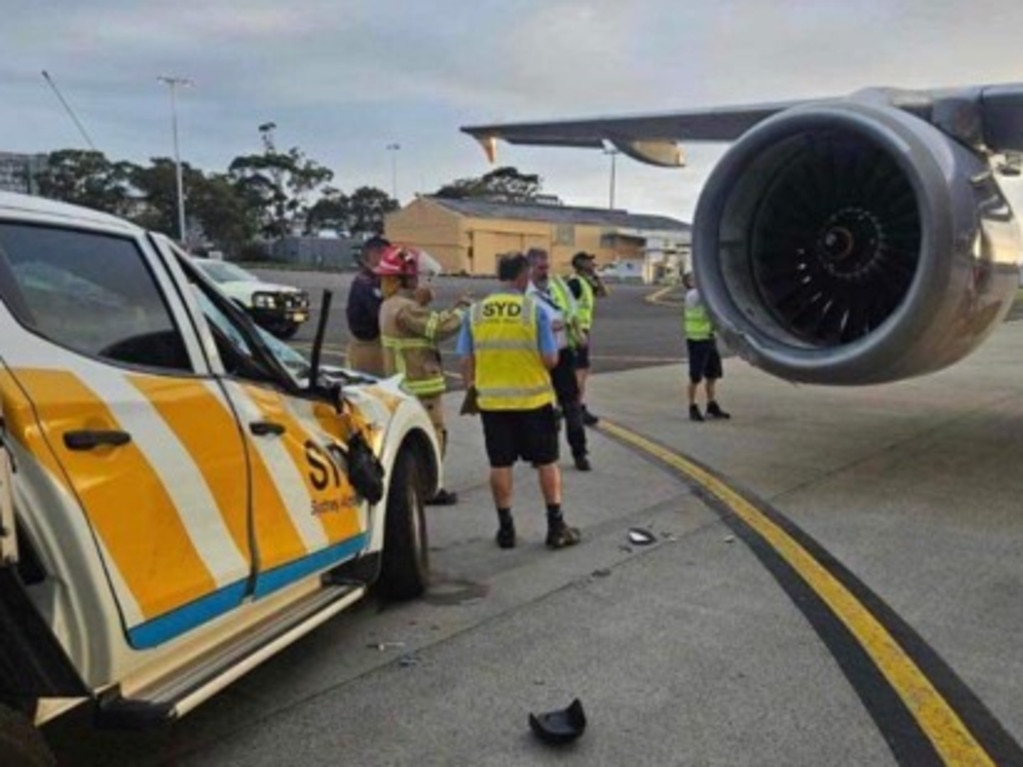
988 115
650 138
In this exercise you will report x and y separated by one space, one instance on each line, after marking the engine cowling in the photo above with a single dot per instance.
848 242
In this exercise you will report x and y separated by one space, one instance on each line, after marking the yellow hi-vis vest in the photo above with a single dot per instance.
510 373
584 303
697 323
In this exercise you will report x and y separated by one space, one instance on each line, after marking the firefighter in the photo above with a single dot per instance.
409 333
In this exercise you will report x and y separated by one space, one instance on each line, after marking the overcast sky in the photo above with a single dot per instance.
343 79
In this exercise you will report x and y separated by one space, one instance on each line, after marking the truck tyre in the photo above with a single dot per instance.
405 567
21 744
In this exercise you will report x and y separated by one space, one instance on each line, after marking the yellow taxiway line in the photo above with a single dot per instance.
940 723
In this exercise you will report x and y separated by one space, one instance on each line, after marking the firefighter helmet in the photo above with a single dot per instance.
396 261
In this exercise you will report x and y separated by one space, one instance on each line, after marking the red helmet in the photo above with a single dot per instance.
396 261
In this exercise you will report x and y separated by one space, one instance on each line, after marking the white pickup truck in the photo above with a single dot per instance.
181 494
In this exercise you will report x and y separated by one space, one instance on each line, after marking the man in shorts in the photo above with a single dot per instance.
704 358
507 348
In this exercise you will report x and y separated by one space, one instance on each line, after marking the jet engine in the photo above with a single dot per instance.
850 242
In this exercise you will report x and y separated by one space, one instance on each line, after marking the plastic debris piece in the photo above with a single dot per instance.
560 726
641 536
381 646
729 539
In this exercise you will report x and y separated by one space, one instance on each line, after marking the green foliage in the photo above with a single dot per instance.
85 177
268 194
368 205
500 185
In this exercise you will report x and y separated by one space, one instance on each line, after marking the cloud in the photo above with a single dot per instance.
343 78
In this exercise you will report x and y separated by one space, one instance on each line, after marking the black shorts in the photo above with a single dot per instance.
582 357
531 435
704 360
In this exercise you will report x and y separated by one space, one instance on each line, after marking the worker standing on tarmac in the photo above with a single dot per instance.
704 357
507 348
555 298
586 286
363 311
409 333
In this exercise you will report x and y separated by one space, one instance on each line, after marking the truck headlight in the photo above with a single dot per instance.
264 300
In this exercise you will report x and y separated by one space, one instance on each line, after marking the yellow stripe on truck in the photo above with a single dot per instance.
334 505
21 425
140 530
208 431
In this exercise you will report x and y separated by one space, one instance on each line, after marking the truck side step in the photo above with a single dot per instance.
173 697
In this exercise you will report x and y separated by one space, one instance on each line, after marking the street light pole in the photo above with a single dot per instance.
614 155
173 83
393 149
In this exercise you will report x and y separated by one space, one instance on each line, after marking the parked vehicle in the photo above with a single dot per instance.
281 309
181 494
621 271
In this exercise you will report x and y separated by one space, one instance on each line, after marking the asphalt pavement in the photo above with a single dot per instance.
721 643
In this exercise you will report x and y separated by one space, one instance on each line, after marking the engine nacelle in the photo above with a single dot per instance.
848 242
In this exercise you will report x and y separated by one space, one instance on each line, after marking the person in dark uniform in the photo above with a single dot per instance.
364 351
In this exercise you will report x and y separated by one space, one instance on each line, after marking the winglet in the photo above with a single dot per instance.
489 144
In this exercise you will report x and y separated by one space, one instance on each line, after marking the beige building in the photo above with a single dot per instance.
466 236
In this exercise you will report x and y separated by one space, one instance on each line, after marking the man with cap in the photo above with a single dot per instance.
554 298
586 286
363 311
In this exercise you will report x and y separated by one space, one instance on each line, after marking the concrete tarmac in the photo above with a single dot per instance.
693 650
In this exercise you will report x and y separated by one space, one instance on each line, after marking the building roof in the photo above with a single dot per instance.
561 214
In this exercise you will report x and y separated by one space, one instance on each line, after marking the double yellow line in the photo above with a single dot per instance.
950 737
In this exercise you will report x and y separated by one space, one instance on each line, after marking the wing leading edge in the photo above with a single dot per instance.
993 114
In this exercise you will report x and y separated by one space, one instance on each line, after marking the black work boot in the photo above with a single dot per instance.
588 418
694 413
560 535
714 410
582 463
506 536
442 498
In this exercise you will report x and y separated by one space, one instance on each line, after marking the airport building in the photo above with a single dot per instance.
467 235
18 172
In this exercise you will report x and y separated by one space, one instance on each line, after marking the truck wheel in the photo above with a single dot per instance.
21 743
405 567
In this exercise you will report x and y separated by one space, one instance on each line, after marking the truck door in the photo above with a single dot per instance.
107 385
305 513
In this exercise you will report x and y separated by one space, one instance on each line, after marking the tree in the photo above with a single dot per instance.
277 184
87 177
332 211
505 184
367 206
158 187
223 214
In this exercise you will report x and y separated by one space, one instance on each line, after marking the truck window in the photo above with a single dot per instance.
90 292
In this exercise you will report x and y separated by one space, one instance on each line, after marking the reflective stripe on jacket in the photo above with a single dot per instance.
510 373
409 334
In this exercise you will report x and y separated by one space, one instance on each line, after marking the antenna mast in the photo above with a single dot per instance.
70 111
